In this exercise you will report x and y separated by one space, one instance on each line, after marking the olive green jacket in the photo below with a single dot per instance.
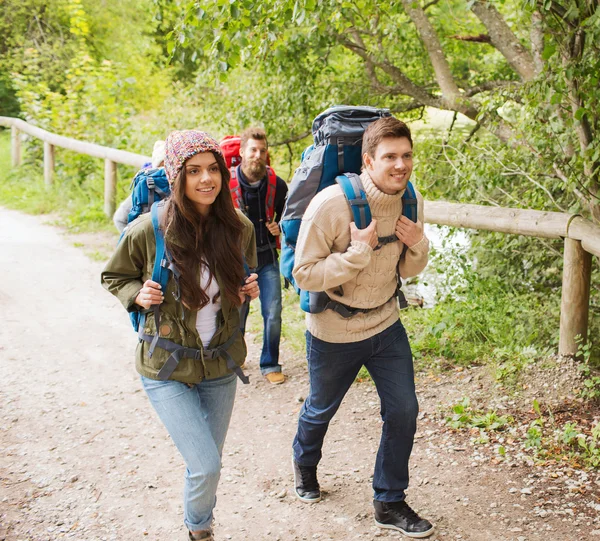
126 271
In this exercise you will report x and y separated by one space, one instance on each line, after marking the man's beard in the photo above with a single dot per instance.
255 171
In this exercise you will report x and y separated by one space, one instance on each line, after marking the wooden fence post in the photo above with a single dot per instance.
110 187
574 306
15 136
48 164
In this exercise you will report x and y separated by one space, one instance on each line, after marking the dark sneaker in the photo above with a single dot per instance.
306 485
399 516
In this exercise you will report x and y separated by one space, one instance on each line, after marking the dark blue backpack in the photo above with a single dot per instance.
335 156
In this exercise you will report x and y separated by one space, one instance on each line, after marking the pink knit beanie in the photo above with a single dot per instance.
182 145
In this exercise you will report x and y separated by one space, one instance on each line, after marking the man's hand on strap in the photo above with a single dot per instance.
409 232
368 235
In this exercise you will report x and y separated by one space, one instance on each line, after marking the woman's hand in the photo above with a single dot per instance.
149 294
250 289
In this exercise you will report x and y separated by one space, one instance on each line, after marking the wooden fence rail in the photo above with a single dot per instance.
111 156
581 237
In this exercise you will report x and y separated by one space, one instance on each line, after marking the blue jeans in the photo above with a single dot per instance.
332 369
269 283
197 419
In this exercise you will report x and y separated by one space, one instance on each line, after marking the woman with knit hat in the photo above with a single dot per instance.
208 243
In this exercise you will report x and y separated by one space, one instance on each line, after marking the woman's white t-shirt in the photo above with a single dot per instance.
206 318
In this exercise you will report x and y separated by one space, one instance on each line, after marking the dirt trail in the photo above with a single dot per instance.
84 457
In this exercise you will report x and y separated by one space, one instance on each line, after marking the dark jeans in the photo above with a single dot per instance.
269 283
332 369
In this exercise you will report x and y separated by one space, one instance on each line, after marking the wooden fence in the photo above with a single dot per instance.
581 237
111 156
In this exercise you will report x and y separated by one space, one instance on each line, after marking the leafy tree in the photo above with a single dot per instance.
526 71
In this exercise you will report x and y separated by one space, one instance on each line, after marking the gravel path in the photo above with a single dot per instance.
84 457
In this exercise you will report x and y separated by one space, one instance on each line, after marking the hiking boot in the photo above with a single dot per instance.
306 485
275 378
399 516
204 535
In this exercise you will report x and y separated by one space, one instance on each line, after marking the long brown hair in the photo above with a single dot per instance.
214 240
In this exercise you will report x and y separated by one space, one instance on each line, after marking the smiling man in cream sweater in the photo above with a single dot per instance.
332 255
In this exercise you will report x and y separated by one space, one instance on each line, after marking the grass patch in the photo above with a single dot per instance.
572 437
464 416
96 255
574 440
77 193
484 323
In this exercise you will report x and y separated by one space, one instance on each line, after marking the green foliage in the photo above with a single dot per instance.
591 381
77 206
533 439
9 105
478 320
464 416
569 441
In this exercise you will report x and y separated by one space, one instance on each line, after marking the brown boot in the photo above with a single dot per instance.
204 535
276 378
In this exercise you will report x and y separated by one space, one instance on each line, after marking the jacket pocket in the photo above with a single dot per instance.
169 329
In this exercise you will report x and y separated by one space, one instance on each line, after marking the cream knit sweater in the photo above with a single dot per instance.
352 272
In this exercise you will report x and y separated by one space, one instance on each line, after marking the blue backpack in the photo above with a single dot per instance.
335 156
148 186
162 266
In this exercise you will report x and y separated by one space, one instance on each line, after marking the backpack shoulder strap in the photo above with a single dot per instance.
160 271
357 198
236 190
409 207
271 188
409 202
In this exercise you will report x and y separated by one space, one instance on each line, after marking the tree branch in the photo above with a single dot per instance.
537 41
291 139
404 84
404 108
504 40
471 134
488 85
450 91
429 4
481 38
